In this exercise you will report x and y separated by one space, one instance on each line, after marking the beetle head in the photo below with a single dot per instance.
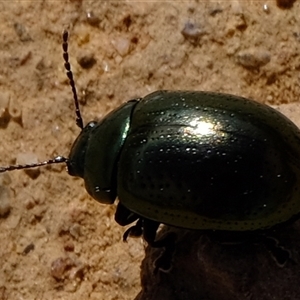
76 160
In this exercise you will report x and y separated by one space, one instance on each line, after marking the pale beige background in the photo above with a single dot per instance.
139 48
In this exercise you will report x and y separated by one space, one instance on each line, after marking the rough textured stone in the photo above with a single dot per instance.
203 268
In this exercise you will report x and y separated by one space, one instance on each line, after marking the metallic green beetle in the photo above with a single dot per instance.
196 160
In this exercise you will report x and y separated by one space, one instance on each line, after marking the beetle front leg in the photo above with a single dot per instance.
279 253
134 231
164 261
143 227
148 229
124 216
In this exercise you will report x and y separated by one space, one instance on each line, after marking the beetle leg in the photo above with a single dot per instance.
134 231
164 261
279 253
124 216
147 228
149 232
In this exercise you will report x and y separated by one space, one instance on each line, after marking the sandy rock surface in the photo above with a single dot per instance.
57 242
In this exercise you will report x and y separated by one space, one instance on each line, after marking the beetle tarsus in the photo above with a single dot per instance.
148 229
280 254
149 232
164 261
134 231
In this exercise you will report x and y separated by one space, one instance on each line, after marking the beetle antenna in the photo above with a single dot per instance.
56 160
69 73
79 122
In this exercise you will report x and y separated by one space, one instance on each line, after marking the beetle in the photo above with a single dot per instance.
190 159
